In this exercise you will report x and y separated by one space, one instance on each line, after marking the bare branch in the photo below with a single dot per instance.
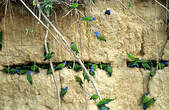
63 43
162 6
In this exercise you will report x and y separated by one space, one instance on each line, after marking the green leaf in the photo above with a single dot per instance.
104 101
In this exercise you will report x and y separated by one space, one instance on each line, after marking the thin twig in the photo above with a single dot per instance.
65 43
51 66
162 6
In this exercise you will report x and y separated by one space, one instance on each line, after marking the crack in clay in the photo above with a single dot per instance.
142 46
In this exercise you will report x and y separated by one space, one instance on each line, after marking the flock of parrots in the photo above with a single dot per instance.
148 65
135 62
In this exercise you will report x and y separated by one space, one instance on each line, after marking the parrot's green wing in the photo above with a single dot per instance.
85 76
6 70
34 67
73 6
49 71
29 78
79 80
152 73
101 37
59 66
95 66
104 101
109 70
144 98
77 67
21 72
94 97
149 103
48 56
74 48
87 18
62 92
132 58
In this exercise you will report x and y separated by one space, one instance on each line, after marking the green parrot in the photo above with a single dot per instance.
60 66
109 70
34 67
6 70
95 66
49 71
74 48
149 103
88 18
48 56
104 101
85 76
160 65
1 40
103 107
92 72
77 67
145 98
74 5
79 80
63 92
29 77
132 58
103 66
21 72
12 70
152 73
99 36
94 97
